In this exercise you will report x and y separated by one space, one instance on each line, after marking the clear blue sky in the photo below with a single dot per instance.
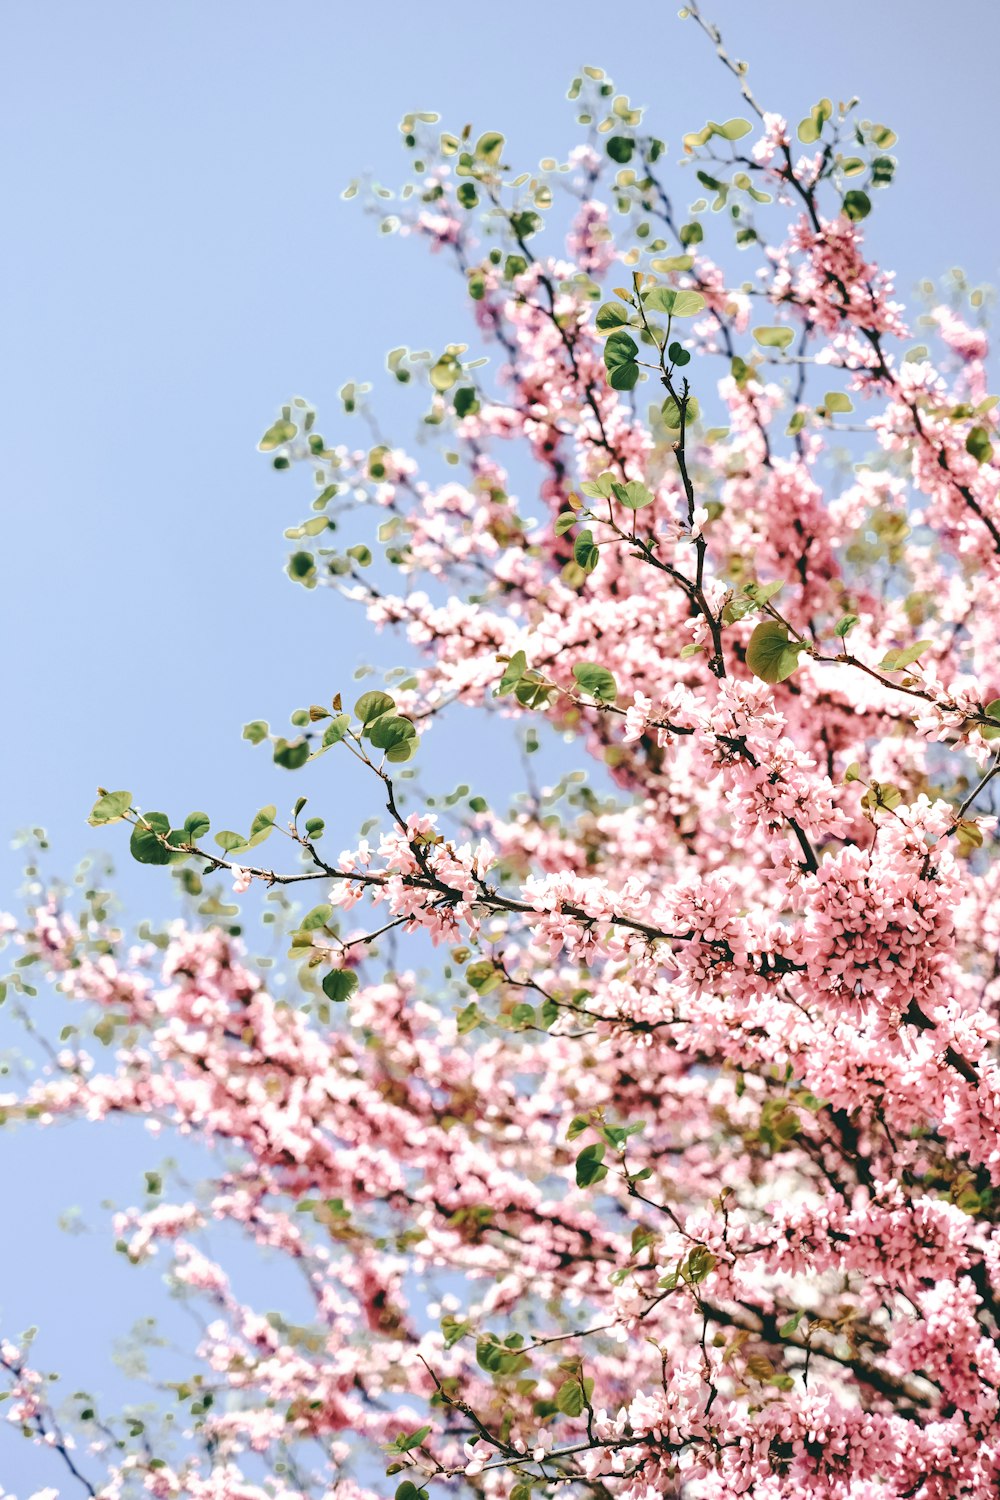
178 261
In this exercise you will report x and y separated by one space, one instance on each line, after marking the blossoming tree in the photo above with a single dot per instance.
678 1174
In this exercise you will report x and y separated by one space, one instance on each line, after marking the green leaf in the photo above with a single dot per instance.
577 1126
837 401
196 825
771 656
671 412
110 807
262 824
733 130
565 521
601 488
970 835
489 148
620 360
618 1135
857 205
585 551
624 377
979 445
673 263
846 624
811 127
146 844
676 304
596 680
634 495
316 918
699 1263
466 402
903 656
620 148
612 315
589 1168
482 975
469 1018
336 730
993 711
525 224
513 672
291 753
409 1440
230 841
370 706
774 338
446 371
339 985
882 794
280 432
453 1329
569 1397
389 731
255 731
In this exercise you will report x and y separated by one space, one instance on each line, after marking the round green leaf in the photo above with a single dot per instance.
110 807
771 656
371 705
596 680
146 843
611 315
774 338
291 753
339 984
857 205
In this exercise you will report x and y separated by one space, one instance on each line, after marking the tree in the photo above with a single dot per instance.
677 1174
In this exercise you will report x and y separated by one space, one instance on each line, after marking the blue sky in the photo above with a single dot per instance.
179 262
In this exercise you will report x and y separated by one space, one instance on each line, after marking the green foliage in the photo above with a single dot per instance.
771 656
291 754
774 338
276 435
675 304
371 706
903 656
620 360
730 130
979 445
585 551
589 1165
339 984
498 1358
513 672
857 204
634 495
811 128
671 411
110 807
611 315
146 843
396 735
597 681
